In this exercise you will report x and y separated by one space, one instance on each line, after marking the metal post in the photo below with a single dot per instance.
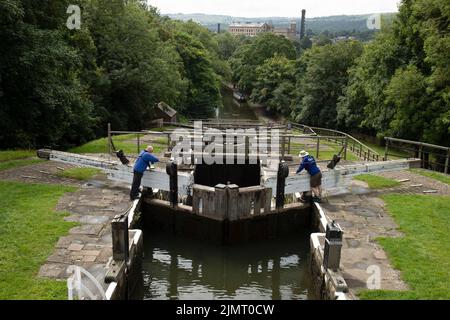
289 145
119 228
283 142
345 147
386 150
421 156
109 139
168 142
333 246
447 160
283 173
138 143
318 147
172 171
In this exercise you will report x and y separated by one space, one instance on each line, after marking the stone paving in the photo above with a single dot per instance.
363 217
88 245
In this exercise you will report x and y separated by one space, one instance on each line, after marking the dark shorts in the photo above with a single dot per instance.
316 180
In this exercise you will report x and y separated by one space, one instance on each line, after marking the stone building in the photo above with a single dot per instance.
290 33
249 29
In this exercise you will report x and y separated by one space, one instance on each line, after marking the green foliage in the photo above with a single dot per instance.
318 88
422 255
377 182
79 173
401 84
249 56
274 84
60 88
29 230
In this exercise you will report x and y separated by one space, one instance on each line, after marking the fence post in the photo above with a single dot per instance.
318 147
283 173
447 160
345 147
138 143
109 139
386 150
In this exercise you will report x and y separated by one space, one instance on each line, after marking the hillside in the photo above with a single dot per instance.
317 25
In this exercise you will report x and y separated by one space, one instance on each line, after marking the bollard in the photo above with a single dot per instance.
333 246
172 171
283 173
119 227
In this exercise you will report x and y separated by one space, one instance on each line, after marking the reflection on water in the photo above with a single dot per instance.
177 268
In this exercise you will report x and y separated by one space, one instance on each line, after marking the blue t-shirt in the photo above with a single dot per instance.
144 160
309 163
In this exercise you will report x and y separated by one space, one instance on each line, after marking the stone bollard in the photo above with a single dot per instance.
333 246
172 171
119 227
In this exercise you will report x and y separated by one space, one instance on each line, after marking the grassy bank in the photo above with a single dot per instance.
29 230
445 178
81 174
377 182
423 254
17 158
126 142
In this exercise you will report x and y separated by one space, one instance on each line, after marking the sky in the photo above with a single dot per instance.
276 8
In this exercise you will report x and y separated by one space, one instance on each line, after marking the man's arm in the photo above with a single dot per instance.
302 166
149 158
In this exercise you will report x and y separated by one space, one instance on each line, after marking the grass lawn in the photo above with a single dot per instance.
445 178
423 254
381 150
377 182
18 163
17 158
8 155
126 142
79 173
296 147
29 230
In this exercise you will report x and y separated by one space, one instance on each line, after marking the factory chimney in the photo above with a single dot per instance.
302 26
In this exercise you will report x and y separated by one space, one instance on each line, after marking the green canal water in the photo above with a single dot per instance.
233 109
179 268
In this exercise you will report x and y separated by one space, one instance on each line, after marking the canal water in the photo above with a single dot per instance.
233 109
178 268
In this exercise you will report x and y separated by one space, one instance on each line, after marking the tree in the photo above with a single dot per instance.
247 57
274 85
320 85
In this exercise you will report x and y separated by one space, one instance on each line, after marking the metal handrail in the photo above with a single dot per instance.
370 152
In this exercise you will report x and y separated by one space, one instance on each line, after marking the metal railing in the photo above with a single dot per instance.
433 157
349 142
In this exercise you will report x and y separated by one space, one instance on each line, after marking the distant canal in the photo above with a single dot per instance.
233 109
177 268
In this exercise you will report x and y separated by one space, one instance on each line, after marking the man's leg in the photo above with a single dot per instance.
137 178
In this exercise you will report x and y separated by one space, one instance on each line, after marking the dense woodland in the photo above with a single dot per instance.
60 87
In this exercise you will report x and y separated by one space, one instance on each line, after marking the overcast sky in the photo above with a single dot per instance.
279 8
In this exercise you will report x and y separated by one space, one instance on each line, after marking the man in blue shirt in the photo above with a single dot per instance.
142 163
308 163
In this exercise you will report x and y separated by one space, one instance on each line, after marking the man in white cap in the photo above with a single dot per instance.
308 163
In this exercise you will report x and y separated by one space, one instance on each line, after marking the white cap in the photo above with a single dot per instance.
303 154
